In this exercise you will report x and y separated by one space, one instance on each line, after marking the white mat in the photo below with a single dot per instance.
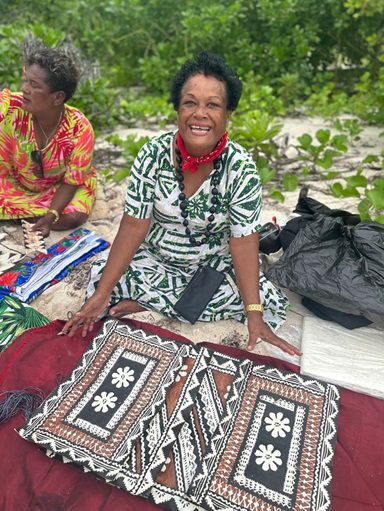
351 358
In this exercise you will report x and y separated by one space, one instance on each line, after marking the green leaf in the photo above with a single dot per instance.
370 158
339 142
350 191
261 161
331 175
114 139
305 170
276 195
379 219
376 196
363 207
326 161
337 189
357 181
121 174
305 141
378 183
338 125
323 136
266 174
290 182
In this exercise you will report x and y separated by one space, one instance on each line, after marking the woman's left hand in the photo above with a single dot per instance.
43 225
259 330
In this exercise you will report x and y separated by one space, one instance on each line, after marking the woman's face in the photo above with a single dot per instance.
202 113
37 97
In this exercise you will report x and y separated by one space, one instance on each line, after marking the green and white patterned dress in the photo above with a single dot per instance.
166 261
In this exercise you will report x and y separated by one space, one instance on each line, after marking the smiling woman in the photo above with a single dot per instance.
187 245
46 145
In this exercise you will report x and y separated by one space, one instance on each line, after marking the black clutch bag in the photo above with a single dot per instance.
198 293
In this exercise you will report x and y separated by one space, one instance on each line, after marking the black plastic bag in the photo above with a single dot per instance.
291 228
350 321
308 206
335 265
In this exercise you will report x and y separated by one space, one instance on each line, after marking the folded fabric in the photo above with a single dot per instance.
16 318
191 428
32 277
357 358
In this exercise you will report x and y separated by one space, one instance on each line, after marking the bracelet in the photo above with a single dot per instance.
55 214
254 307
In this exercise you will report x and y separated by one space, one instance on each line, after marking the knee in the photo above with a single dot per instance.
70 221
78 219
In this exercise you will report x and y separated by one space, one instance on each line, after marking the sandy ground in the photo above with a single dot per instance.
68 295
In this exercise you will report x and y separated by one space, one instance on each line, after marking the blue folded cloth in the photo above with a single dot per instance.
27 280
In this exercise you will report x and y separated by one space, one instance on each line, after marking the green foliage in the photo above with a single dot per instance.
16 318
97 98
255 130
130 148
326 55
138 106
351 127
369 190
10 61
323 153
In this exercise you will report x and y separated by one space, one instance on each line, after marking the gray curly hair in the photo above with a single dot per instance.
61 70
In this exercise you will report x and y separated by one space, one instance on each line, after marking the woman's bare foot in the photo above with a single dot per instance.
125 307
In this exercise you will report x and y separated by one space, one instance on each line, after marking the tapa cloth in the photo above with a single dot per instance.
42 359
191 428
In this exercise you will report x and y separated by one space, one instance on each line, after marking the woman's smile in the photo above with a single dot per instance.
202 114
200 131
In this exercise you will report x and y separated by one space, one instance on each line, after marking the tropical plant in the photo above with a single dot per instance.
16 318
129 147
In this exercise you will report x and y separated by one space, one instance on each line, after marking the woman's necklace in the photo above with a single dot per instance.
48 138
183 201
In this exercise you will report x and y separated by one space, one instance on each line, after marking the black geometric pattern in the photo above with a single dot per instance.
190 428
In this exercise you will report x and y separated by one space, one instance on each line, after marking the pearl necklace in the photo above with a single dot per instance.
48 138
183 201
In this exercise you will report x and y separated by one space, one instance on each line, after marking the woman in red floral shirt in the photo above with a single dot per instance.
46 146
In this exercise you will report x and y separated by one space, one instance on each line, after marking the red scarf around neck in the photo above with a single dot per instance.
192 162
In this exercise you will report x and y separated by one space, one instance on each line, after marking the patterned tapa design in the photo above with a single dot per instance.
66 159
166 261
192 429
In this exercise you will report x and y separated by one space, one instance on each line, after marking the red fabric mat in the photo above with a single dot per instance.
31 481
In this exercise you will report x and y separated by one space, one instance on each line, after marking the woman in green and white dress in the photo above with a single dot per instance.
193 199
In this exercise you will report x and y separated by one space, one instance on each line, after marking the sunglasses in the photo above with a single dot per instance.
37 157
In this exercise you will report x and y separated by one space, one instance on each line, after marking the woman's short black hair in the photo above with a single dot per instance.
62 73
208 64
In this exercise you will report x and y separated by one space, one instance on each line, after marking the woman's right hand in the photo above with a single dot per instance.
87 315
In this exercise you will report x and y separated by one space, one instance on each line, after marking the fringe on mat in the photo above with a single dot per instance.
14 401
